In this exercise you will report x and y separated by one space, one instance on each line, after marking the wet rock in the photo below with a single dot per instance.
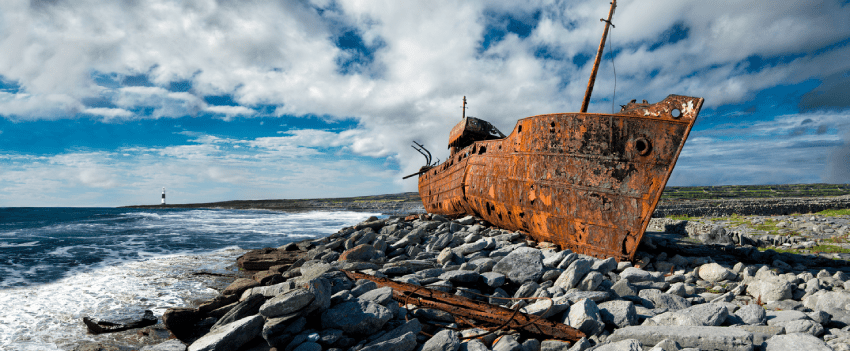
263 259
170 345
308 346
521 265
120 321
239 286
231 336
181 320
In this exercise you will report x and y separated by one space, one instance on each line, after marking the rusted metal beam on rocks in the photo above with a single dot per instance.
472 309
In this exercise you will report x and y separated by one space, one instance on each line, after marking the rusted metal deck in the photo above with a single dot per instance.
585 181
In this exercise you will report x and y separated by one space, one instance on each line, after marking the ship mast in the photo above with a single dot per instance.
598 57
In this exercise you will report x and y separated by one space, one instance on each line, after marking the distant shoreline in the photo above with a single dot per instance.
675 201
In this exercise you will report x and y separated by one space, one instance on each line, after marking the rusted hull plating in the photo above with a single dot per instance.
585 181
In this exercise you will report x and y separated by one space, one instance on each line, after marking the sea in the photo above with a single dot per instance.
58 265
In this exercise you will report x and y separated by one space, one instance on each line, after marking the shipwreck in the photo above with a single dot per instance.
588 182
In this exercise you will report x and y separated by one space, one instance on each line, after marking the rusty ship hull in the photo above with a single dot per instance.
588 182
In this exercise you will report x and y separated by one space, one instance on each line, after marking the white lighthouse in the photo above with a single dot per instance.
163 196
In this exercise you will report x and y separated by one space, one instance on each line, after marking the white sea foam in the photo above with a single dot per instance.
48 316
27 244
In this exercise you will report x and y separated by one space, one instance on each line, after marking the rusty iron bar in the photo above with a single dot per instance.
592 80
472 309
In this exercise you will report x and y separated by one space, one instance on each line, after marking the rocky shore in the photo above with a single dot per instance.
695 284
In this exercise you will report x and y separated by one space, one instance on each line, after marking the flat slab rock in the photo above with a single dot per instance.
704 338
263 259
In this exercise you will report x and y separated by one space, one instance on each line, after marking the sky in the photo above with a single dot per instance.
103 103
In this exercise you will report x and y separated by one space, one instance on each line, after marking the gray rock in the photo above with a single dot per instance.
413 326
521 265
581 345
672 318
761 332
677 289
493 279
707 338
286 303
801 326
777 317
590 282
230 336
796 342
833 302
622 345
623 288
275 327
714 272
526 289
554 345
574 273
248 307
446 340
466 249
404 342
380 296
433 315
170 345
362 288
356 317
752 314
634 275
584 316
659 299
322 292
460 277
708 314
308 346
507 343
821 317
473 345
545 309
618 313
553 260
604 266
665 345
770 288
531 345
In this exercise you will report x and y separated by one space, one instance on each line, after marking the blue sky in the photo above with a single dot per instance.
102 103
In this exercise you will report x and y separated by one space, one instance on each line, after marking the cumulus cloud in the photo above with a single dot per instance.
401 68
